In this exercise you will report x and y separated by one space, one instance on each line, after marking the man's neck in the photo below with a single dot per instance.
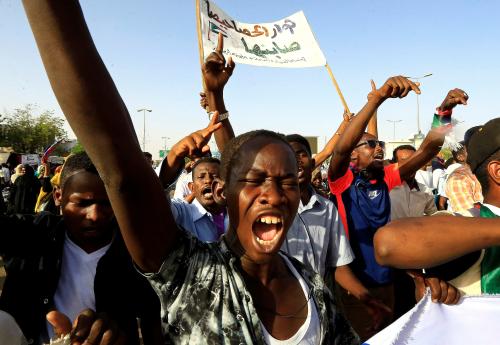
305 193
492 198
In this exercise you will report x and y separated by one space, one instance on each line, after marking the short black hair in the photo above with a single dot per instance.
230 155
75 162
297 138
482 172
203 160
148 155
399 148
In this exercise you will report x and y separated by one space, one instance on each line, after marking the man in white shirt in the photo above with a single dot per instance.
317 237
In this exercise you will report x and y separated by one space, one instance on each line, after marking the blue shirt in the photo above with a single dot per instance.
196 219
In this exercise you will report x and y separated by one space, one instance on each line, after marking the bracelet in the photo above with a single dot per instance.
444 112
221 116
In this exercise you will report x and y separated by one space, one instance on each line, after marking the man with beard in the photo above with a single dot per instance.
361 184
203 216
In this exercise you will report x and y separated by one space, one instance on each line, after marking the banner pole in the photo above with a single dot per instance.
342 99
200 42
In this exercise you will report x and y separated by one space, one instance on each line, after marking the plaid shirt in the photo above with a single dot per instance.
463 189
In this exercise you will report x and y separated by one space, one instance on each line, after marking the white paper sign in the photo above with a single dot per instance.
285 43
474 320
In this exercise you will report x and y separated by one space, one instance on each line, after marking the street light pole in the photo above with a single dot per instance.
418 100
144 126
165 143
394 127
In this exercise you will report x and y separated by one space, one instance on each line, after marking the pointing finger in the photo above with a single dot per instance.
220 43
373 85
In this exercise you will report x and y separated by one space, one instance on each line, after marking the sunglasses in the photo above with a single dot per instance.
372 143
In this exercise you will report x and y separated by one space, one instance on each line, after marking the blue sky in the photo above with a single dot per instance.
150 49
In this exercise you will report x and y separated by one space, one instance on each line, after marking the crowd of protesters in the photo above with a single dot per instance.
268 245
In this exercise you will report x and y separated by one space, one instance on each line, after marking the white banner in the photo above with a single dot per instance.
474 320
285 43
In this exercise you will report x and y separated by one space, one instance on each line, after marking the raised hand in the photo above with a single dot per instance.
215 71
454 97
195 145
394 87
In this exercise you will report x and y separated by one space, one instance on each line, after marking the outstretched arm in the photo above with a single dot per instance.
435 138
393 87
100 120
216 74
330 145
431 241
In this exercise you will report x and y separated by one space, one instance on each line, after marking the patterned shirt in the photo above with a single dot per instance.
463 189
204 299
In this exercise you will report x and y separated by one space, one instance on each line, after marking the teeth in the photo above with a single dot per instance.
270 220
267 243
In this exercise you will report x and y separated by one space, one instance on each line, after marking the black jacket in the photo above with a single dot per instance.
32 248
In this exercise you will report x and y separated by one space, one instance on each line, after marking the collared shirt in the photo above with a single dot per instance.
197 220
406 202
364 206
205 301
463 189
317 237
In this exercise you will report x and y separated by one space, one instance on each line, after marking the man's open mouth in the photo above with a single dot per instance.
267 229
207 192
379 156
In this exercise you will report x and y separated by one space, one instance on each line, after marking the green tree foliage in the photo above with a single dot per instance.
28 131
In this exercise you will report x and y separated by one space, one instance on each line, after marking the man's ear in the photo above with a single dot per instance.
218 192
190 186
57 195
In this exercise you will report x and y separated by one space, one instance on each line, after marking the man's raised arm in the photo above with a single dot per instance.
99 118
216 74
393 87
432 143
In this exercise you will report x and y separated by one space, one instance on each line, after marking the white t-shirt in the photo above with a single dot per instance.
309 332
10 333
75 289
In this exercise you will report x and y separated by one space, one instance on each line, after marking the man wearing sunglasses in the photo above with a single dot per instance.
360 184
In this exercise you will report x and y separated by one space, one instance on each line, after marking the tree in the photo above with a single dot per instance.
30 133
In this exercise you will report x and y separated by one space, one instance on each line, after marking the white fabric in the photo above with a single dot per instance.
10 333
317 237
406 202
6 174
444 178
75 289
424 177
182 186
436 176
285 43
309 332
494 209
474 320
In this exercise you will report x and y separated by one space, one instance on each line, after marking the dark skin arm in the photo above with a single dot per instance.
216 74
434 140
431 241
377 309
99 118
330 145
393 87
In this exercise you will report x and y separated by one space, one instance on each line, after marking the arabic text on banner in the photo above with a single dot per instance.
285 43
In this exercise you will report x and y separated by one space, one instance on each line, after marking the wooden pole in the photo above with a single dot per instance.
337 87
200 40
